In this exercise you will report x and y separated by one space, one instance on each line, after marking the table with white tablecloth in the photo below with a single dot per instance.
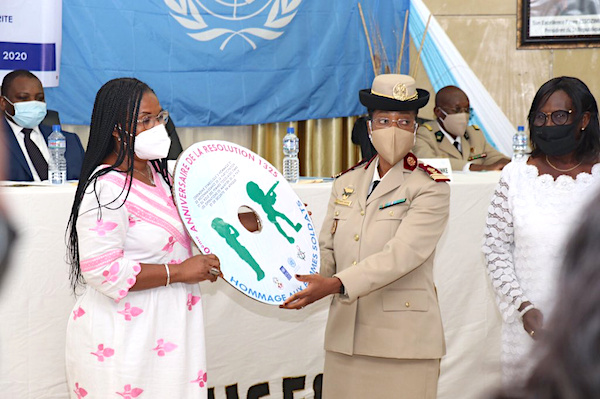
253 350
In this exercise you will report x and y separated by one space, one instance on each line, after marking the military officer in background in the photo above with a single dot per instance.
450 137
384 335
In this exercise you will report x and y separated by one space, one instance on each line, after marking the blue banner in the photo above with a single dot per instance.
215 62
30 38
30 56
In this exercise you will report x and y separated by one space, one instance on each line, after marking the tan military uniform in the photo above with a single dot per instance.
382 249
431 143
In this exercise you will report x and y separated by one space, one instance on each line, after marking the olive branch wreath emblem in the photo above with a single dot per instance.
280 15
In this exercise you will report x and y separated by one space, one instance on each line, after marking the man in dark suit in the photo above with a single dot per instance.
23 107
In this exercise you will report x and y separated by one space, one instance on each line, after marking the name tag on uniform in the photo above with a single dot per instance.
392 203
341 201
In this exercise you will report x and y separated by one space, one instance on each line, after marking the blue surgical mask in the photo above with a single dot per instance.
28 113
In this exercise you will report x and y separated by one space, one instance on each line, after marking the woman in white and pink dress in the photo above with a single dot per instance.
137 327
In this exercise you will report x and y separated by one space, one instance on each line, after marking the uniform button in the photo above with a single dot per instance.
356 237
337 213
391 213
362 213
354 263
407 304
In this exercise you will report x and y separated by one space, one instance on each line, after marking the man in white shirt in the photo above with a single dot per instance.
23 107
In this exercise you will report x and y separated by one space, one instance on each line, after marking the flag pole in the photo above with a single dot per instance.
414 75
362 17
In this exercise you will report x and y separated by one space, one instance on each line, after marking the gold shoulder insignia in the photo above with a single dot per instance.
435 174
427 126
353 167
476 127
410 161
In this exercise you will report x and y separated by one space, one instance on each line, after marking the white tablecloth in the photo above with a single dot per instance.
252 348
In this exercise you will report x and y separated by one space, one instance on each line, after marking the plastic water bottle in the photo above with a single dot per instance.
519 144
291 164
57 167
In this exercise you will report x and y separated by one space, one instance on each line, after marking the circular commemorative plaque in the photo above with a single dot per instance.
236 205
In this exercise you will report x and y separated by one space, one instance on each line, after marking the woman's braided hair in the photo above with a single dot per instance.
116 108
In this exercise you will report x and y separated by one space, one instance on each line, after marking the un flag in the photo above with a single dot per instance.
228 62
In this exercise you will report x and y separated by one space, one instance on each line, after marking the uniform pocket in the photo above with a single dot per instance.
389 219
405 300
394 213
341 212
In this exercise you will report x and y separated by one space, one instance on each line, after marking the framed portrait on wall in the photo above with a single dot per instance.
558 23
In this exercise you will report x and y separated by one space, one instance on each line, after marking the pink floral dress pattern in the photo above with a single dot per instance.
133 344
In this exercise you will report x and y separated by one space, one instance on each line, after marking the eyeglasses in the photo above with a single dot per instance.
386 122
150 121
559 117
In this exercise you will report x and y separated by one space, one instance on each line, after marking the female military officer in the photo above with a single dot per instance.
384 334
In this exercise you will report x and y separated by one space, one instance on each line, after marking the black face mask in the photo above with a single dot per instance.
555 140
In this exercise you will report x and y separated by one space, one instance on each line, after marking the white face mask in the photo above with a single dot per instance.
28 114
456 124
153 143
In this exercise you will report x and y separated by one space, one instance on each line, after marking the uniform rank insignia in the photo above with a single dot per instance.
433 173
477 156
466 136
392 203
439 136
348 191
410 161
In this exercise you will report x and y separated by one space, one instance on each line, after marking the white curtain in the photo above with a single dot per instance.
445 66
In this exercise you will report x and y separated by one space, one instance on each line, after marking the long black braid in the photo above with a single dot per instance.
115 108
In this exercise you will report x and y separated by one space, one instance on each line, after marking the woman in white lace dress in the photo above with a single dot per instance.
533 210
137 328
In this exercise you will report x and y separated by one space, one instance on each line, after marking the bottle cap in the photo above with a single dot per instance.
521 128
290 129
56 128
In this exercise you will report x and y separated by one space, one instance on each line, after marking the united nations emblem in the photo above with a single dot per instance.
246 19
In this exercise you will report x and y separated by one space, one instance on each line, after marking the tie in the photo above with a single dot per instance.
37 159
375 183
457 147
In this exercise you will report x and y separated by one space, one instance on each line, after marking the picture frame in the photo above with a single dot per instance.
548 24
